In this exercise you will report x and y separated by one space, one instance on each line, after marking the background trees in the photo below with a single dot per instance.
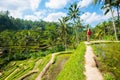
63 30
73 14
108 5
22 36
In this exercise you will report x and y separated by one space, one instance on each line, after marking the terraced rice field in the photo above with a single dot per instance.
24 69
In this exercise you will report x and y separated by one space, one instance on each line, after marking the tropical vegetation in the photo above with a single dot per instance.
108 5
27 45
109 57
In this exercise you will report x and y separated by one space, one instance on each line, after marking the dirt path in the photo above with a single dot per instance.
0 73
46 67
91 71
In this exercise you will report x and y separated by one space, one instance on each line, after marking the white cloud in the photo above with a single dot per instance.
12 4
16 14
56 4
37 15
54 16
34 4
19 4
85 3
94 18
31 17
40 13
17 7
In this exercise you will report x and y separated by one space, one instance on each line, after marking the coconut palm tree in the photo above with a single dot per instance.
108 6
74 13
79 28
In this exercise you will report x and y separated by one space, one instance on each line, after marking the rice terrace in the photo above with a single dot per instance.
59 39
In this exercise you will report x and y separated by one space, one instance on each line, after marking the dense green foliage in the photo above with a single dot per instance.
104 31
74 67
108 6
109 57
21 56
19 39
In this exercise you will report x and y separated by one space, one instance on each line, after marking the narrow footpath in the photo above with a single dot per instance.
91 71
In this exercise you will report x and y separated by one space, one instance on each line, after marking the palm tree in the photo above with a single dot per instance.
74 13
108 5
79 28
116 4
64 30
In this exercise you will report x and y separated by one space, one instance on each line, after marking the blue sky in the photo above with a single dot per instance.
51 10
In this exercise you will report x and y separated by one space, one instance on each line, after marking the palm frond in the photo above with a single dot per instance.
106 11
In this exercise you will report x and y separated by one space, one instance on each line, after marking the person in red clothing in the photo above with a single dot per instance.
88 34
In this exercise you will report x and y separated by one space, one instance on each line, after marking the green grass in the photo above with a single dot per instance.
74 67
109 56
57 66
16 69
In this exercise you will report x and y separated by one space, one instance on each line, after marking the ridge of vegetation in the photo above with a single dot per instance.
74 67
48 65
58 64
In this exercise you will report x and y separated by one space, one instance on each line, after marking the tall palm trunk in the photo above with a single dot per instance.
113 21
65 44
65 39
76 33
64 32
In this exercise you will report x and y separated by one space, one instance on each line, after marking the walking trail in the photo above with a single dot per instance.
91 71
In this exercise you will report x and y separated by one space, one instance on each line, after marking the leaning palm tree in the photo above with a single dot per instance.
74 13
108 6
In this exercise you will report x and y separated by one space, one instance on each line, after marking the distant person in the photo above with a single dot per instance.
88 34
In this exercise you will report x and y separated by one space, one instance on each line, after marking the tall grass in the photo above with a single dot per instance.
109 56
74 68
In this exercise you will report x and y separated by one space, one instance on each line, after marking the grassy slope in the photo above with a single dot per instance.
108 56
55 68
74 68
16 69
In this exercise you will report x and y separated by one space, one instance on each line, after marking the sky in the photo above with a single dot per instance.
51 10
